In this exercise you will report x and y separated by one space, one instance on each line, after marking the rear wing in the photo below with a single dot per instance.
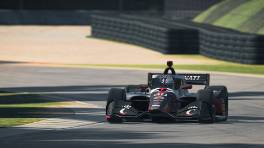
190 78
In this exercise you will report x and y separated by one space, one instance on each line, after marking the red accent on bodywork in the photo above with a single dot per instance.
107 117
162 91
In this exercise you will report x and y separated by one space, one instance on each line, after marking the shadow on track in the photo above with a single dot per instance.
29 102
98 138
246 94
81 93
101 137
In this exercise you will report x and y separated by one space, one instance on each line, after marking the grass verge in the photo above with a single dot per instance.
19 109
9 122
236 14
205 14
232 68
240 15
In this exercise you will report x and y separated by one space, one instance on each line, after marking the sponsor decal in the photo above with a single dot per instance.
126 107
156 105
192 78
191 110
193 107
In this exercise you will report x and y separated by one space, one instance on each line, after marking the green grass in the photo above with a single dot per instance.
238 18
240 15
232 68
202 17
18 109
261 31
9 122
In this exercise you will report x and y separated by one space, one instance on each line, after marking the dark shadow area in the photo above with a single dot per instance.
22 99
60 88
110 144
242 119
249 118
29 102
33 112
107 135
10 62
241 99
246 94
89 137
231 120
71 12
87 114
79 93
259 54
55 94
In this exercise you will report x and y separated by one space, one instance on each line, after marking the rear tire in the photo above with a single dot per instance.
207 111
114 96
222 93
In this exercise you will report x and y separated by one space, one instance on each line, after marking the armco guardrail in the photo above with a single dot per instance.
226 44
164 39
175 36
234 47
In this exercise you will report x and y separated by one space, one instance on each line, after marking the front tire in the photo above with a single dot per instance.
221 93
207 111
114 96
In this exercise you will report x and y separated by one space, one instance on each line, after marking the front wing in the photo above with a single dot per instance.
124 110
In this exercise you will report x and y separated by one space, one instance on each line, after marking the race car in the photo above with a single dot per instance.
167 96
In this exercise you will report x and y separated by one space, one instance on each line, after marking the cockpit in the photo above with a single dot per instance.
166 81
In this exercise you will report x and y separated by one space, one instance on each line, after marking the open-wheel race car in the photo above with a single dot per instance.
167 96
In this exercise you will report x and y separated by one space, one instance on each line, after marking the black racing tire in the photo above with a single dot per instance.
207 112
114 96
221 93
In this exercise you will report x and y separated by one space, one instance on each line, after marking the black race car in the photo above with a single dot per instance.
166 96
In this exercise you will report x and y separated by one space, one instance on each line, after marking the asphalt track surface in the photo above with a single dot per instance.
245 127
